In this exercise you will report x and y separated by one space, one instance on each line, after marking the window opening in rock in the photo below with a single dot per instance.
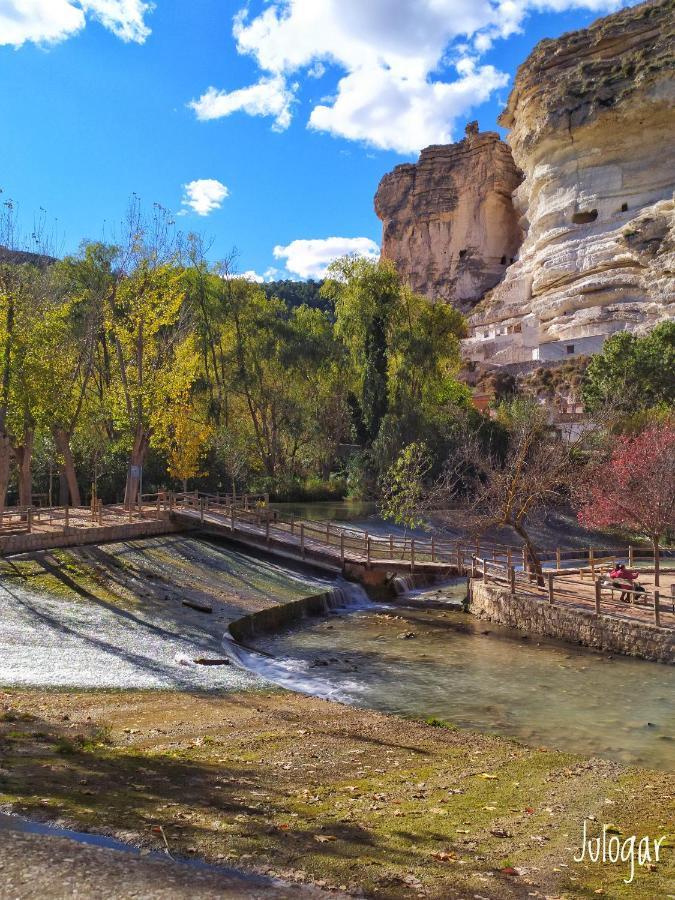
462 254
503 260
570 348
624 207
583 218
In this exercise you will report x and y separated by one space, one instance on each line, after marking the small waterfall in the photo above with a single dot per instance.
346 595
402 584
295 674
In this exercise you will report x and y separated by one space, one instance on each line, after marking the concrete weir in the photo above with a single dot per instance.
613 634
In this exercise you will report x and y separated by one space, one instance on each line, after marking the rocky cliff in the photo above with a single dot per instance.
592 127
449 223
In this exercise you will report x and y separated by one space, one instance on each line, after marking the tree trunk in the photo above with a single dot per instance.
136 460
532 554
5 458
185 485
68 474
24 460
657 561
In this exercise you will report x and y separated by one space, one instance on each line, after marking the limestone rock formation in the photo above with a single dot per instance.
592 127
448 221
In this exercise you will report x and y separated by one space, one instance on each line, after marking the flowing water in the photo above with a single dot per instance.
442 663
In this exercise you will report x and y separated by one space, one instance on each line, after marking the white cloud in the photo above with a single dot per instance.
269 97
311 258
203 196
51 21
252 275
395 89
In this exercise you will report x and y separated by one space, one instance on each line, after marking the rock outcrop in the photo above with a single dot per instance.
592 127
449 223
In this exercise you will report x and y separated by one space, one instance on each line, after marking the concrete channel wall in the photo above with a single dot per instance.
275 618
613 634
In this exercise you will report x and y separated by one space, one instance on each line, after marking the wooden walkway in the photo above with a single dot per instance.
330 547
585 588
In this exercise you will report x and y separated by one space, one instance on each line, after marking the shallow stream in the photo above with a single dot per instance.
443 664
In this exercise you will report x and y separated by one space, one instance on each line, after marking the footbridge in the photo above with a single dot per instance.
371 558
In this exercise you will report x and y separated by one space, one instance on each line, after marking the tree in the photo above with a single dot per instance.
633 373
146 325
403 486
187 445
634 487
509 487
365 294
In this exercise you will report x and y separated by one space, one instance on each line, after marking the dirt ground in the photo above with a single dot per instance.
316 792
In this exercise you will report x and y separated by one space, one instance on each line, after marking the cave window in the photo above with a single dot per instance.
513 259
462 254
624 207
517 329
569 349
503 260
583 218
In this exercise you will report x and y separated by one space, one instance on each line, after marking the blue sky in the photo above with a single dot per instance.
311 102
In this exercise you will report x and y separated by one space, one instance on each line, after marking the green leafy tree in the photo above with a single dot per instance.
633 373
403 486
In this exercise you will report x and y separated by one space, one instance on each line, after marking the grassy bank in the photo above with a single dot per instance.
317 791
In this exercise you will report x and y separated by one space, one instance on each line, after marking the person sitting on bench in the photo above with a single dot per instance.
626 580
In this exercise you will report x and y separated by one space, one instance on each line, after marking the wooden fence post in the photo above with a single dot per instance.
485 574
657 611
368 552
474 568
512 580
302 539
292 523
412 554
201 510
598 596
391 546
100 512
365 541
29 519
159 506
591 560
342 549
131 511
557 558
630 555
433 549
67 519
550 589
232 517
460 559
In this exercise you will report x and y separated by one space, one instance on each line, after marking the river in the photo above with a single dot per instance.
445 665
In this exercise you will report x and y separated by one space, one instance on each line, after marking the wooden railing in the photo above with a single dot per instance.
562 586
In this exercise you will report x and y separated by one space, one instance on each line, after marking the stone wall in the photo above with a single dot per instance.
496 604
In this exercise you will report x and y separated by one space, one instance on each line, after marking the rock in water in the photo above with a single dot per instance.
449 224
592 127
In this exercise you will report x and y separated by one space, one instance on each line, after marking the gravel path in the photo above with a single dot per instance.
35 866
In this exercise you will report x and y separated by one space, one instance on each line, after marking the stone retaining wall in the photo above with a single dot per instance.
78 537
496 604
